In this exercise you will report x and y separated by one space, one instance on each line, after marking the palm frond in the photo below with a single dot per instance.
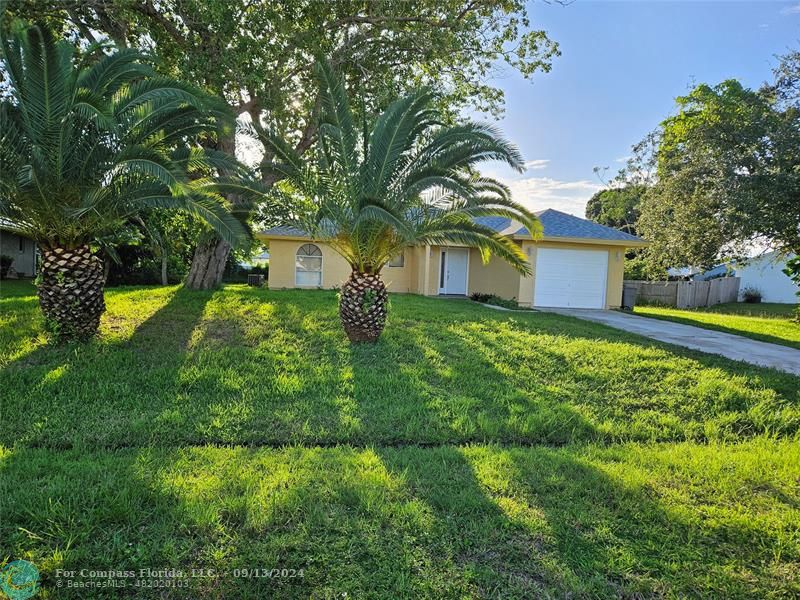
469 233
205 205
413 182
336 121
393 135
112 71
83 142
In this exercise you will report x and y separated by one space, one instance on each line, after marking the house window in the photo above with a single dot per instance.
21 245
308 266
397 261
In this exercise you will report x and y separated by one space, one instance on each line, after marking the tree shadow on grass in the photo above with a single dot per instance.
619 528
553 381
633 388
443 522
245 366
415 388
168 331
534 522
99 393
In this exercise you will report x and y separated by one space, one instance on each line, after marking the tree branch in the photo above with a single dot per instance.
433 22
149 10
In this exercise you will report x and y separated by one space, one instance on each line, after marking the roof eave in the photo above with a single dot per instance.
583 240
263 235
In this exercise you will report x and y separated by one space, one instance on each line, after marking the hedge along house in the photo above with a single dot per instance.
576 264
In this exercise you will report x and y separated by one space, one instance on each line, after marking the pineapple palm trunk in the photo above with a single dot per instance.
362 306
71 291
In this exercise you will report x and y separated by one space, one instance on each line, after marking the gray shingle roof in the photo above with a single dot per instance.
558 224
285 230
554 222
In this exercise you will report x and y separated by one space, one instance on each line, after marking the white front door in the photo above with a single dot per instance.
570 278
453 266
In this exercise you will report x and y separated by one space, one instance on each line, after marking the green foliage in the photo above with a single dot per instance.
616 207
238 273
163 237
368 299
751 295
258 54
637 267
5 265
792 271
726 173
496 300
88 142
405 180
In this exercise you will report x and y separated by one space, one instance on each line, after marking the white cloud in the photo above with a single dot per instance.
622 159
539 163
791 10
538 193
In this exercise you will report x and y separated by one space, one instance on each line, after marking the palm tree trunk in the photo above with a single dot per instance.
71 291
362 307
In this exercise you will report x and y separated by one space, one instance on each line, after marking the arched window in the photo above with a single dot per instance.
308 266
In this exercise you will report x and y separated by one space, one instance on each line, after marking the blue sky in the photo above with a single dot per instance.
622 64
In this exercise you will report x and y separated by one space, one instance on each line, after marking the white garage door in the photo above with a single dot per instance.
570 278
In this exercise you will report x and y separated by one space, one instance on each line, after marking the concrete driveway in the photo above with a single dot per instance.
731 346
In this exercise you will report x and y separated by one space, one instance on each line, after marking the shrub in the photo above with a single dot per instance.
751 295
792 271
236 273
5 264
495 300
482 298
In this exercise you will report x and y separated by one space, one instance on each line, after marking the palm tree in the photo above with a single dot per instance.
409 181
88 142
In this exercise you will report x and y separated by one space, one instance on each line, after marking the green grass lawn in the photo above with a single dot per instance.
470 453
766 322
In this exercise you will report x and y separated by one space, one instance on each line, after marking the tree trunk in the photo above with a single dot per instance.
71 292
164 280
210 257
208 264
362 307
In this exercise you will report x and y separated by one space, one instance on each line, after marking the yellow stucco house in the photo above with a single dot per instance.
576 264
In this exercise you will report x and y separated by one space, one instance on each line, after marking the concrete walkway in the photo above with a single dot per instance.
731 346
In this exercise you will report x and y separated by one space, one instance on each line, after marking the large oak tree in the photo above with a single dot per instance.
258 55
723 175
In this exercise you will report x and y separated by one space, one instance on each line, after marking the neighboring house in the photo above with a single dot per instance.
764 273
683 272
578 263
22 250
259 260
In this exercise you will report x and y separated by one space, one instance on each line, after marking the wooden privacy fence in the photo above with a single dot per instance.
687 294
